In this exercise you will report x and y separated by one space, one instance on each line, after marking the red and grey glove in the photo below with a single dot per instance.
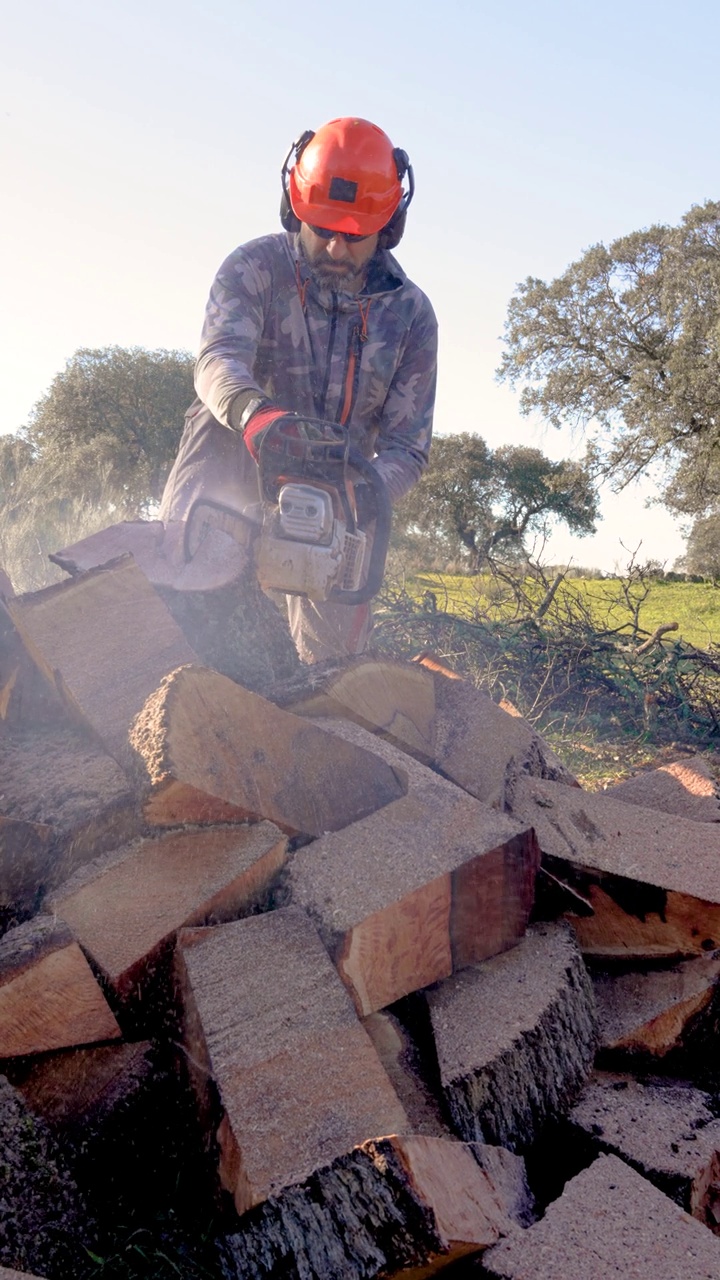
258 425
260 418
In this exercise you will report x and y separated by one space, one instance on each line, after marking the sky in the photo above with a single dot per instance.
142 140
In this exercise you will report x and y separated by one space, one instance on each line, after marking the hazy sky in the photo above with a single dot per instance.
141 140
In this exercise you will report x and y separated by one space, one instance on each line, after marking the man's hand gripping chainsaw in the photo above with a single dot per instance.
326 514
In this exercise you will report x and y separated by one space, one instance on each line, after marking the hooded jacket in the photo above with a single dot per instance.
367 360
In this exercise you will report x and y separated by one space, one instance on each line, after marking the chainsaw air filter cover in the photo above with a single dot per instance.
305 513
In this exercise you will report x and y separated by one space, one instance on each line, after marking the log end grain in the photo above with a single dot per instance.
516 1038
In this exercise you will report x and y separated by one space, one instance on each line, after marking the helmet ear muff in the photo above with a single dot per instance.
392 232
288 219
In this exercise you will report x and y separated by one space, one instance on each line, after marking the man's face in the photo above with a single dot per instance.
337 264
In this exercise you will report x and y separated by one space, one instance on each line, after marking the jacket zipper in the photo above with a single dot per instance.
320 404
358 336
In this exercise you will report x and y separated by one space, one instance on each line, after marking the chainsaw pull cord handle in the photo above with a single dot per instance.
381 538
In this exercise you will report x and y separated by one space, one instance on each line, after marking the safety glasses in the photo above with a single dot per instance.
325 233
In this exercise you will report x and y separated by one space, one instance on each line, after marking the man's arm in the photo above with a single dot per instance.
403 441
234 321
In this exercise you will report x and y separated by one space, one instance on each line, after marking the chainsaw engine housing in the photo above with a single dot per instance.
305 548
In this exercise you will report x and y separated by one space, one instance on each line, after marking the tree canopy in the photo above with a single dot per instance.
111 422
626 345
480 503
702 553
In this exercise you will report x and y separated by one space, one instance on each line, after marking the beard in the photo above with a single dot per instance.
339 277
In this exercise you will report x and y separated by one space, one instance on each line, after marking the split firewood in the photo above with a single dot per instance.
159 550
651 879
113 1109
668 1132
48 995
394 699
609 1221
25 860
405 1206
404 897
141 539
28 690
270 1028
482 748
652 1012
202 730
515 1037
685 788
78 1092
175 804
60 781
126 907
401 1059
110 639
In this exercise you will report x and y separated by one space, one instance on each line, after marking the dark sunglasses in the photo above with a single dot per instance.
325 233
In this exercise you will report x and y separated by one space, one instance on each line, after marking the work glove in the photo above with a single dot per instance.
269 423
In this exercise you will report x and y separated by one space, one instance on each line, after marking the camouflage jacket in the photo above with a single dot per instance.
368 360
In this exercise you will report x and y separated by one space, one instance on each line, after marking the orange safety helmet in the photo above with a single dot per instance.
347 177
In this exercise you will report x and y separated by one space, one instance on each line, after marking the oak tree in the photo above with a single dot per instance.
480 503
625 345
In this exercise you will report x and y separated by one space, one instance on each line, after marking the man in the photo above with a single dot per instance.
318 323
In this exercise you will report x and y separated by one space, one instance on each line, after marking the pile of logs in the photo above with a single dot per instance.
401 994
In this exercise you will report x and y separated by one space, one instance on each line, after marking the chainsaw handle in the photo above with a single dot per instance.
381 537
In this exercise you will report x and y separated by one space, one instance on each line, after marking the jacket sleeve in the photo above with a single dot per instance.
405 430
234 320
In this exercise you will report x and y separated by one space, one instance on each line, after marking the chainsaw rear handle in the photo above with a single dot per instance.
381 537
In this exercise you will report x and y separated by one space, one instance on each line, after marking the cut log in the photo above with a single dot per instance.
60 779
6 1274
393 699
685 788
432 883
516 1038
651 879
269 1022
482 748
158 550
667 1132
397 1207
125 908
111 639
609 1221
651 1012
48 995
401 1059
202 730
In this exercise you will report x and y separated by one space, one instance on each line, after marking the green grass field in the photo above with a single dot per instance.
695 606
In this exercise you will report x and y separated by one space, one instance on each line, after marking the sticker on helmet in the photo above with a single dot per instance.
343 189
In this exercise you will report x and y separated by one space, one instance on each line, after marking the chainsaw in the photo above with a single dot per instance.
304 534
